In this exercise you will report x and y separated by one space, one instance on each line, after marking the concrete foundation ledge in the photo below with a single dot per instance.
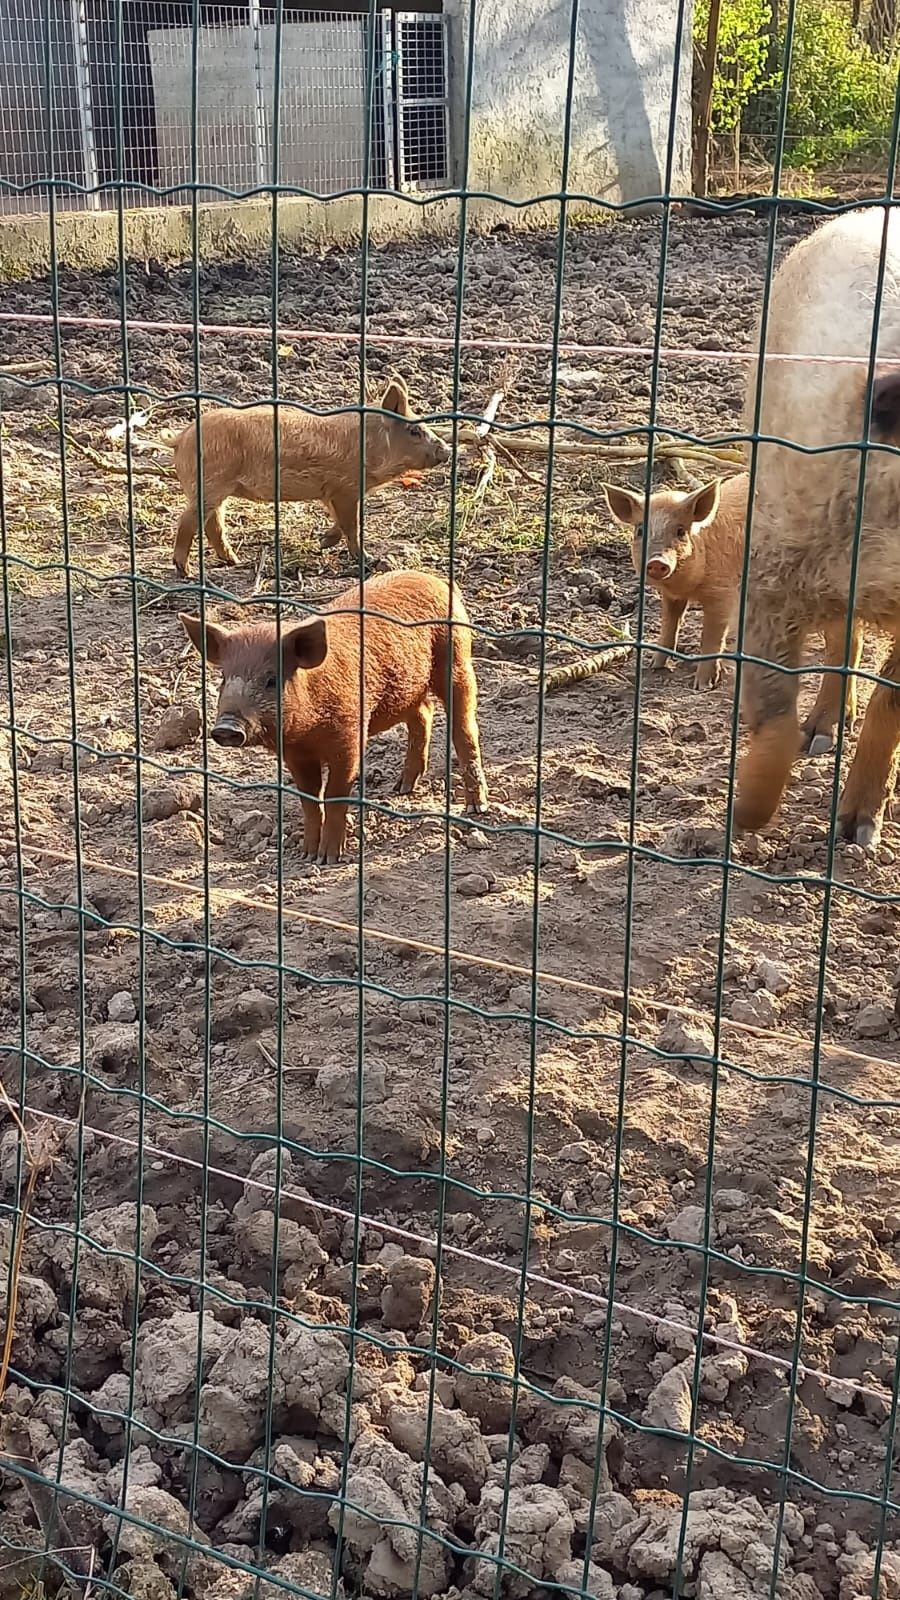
230 229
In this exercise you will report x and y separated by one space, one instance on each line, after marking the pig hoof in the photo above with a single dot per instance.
861 830
476 808
819 744
707 680
658 663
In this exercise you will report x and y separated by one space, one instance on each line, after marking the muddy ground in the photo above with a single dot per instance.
152 1070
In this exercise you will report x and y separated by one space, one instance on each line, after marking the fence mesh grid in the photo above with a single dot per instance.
119 102
511 1208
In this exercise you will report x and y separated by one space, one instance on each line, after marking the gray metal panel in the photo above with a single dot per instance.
323 92
323 101
226 105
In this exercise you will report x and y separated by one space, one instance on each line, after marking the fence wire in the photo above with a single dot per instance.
510 1207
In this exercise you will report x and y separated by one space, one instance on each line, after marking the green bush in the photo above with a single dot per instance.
841 93
741 61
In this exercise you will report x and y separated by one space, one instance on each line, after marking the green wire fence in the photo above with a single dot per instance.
355 1241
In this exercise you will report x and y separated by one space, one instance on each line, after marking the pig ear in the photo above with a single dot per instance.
396 398
626 507
215 636
305 646
703 505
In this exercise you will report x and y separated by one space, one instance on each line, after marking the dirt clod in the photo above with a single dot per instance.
407 1296
121 1007
178 726
160 803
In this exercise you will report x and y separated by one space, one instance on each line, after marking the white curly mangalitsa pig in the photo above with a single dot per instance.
805 513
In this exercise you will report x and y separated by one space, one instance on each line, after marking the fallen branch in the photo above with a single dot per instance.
489 414
113 467
486 446
683 478
586 667
16 368
527 444
307 1072
506 455
485 476
59 1541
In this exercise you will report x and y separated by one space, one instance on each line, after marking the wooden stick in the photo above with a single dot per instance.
489 413
586 667
111 466
507 455
136 469
12 368
17 1454
527 444
36 1161
486 447
684 478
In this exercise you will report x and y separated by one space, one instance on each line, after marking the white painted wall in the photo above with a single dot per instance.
622 103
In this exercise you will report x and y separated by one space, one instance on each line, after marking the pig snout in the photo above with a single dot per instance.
421 447
661 567
230 730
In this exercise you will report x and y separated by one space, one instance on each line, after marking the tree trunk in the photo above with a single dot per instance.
703 123
882 24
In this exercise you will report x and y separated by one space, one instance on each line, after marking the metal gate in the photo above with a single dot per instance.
99 97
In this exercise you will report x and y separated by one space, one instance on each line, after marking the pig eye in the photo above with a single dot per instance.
272 681
415 431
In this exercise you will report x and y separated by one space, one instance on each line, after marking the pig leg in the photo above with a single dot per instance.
416 764
466 743
769 696
874 768
214 528
672 613
818 729
344 508
188 525
341 776
307 775
712 642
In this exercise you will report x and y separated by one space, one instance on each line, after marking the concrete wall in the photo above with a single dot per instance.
323 102
624 67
